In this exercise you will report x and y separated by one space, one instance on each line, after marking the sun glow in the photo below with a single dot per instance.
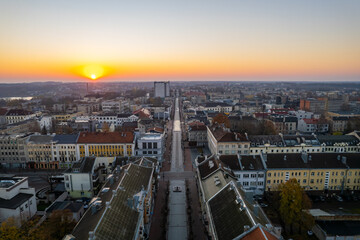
93 71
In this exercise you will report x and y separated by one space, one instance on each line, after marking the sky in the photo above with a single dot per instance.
42 40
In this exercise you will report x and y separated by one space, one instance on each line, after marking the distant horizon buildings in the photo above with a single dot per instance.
162 89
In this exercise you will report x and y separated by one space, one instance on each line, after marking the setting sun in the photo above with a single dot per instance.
93 71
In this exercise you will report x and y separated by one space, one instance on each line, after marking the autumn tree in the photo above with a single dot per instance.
221 119
58 225
9 230
293 200
105 127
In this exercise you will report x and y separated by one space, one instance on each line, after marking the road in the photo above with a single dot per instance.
177 200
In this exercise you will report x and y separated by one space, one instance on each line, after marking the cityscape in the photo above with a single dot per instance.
186 120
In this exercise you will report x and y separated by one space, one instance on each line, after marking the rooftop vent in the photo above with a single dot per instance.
211 164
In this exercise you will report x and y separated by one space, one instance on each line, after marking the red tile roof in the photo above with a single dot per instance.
3 111
259 233
222 135
106 137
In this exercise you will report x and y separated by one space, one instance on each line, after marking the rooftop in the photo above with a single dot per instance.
66 138
106 137
120 220
15 202
41 139
229 217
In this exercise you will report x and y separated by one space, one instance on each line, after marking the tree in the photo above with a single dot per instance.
221 119
9 230
293 200
58 225
105 127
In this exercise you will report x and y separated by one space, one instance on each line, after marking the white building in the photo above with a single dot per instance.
249 171
121 118
64 149
151 145
17 200
162 89
313 126
301 114
45 121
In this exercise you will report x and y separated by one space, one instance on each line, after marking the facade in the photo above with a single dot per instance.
40 153
271 144
18 115
313 126
314 172
17 200
151 145
313 105
64 149
123 118
13 152
197 134
339 124
162 89
106 144
82 180
111 106
218 107
249 171
285 124
222 141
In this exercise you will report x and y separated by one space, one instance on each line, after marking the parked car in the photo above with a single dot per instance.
177 189
263 205
338 198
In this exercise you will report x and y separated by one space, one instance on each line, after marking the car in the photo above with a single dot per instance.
338 198
263 205
310 233
177 189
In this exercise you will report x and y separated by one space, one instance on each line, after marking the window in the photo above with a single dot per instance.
246 175
312 174
269 174
304 181
253 175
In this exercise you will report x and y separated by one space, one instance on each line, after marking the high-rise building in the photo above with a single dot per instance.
162 89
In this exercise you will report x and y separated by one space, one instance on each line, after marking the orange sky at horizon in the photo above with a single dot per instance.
47 40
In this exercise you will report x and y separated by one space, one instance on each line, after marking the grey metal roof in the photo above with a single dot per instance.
66 138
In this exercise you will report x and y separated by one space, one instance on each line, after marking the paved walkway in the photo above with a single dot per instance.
177 200
177 213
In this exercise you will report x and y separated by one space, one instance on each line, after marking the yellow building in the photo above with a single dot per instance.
106 144
319 171
39 152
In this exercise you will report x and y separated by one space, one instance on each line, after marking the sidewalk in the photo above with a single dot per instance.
159 217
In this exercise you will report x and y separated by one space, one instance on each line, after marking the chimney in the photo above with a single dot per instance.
338 157
284 157
304 157
246 228
343 160
91 235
